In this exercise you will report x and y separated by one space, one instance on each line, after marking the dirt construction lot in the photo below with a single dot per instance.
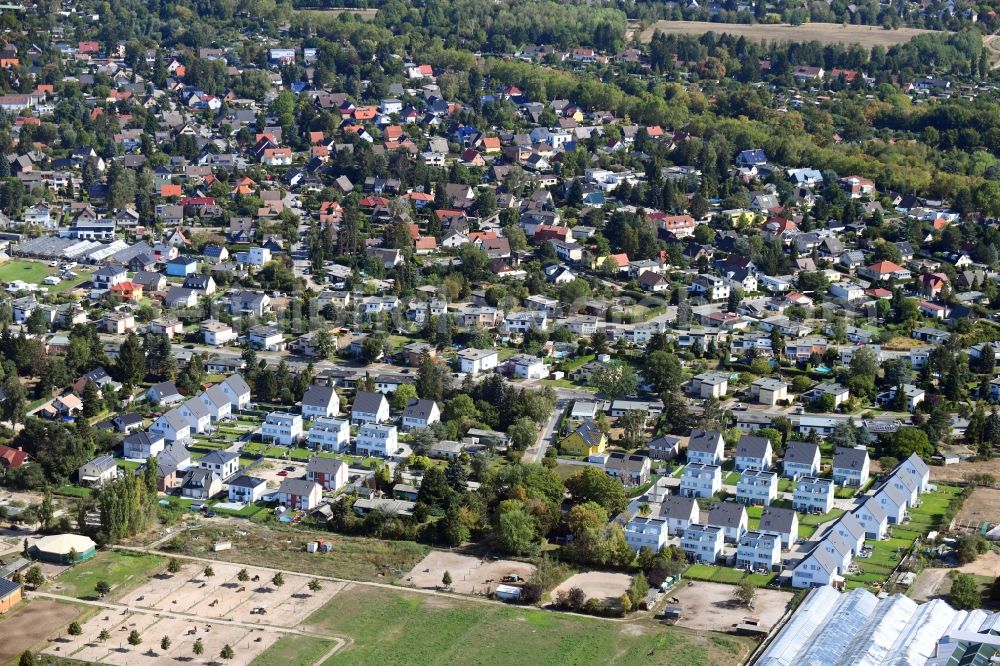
469 575
30 623
190 605
825 33
983 505
597 584
223 596
247 642
710 606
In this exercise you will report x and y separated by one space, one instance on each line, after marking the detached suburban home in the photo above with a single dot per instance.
706 447
679 512
320 401
757 487
758 550
813 495
731 518
700 480
369 407
917 468
801 459
329 434
631 470
768 391
586 440
473 361
247 489
376 439
420 414
217 403
97 472
329 473
851 529
817 568
783 522
164 393
201 484
702 543
753 453
237 390
196 414
142 445
850 466
224 464
299 494
282 428
172 426
892 501
646 532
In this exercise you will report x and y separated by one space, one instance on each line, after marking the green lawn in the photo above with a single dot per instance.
70 490
815 520
293 651
845 493
728 575
397 627
28 271
786 485
118 568
731 479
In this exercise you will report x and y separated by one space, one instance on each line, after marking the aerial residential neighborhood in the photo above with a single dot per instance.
630 333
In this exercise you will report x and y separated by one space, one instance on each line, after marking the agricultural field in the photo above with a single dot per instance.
387 626
356 558
824 33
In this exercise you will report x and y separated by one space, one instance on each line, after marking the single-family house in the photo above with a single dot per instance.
706 447
753 452
329 473
299 494
98 472
757 487
420 413
378 440
700 480
758 551
630 469
646 532
329 434
813 495
702 543
320 401
225 464
783 522
246 489
850 466
679 512
142 445
201 484
801 459
816 569
873 519
282 428
369 407
731 518
586 440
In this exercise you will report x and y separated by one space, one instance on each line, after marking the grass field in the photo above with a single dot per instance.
356 558
333 12
293 651
825 33
119 569
728 575
33 272
390 627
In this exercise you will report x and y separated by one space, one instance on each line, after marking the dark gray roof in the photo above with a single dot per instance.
803 453
244 481
752 447
726 514
296 487
368 402
418 409
849 458
677 507
325 465
704 441
776 519
318 395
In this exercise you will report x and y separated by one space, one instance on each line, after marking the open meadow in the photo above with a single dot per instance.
394 627
824 33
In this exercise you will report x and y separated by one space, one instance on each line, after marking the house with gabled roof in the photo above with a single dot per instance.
801 459
586 440
783 522
731 518
850 466
873 519
753 453
706 447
